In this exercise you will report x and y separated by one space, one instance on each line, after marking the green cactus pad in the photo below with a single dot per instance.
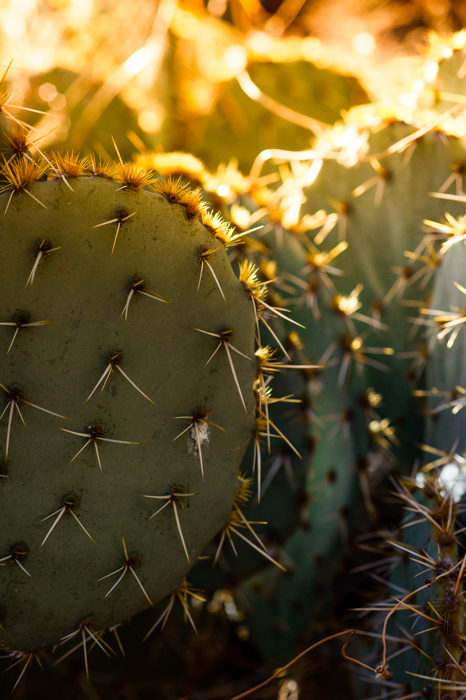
242 127
447 370
378 234
151 368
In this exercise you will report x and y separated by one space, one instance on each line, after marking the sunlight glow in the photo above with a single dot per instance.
363 43
452 480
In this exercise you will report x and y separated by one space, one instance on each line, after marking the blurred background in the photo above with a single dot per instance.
162 75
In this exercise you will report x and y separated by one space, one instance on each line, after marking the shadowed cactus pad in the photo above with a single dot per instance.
102 324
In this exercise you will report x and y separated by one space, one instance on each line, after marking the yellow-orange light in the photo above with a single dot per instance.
48 92
151 120
363 43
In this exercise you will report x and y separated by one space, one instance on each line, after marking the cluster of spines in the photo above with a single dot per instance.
422 617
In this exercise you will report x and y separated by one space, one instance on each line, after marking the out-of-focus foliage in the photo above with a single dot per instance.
164 76
172 63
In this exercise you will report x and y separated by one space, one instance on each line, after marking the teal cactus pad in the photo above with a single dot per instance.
281 604
378 236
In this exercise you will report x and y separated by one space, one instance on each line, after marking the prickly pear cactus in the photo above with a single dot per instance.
282 603
447 370
133 378
240 126
339 315
382 208
425 616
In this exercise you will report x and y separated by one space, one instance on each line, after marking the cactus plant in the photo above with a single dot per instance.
425 621
238 121
274 596
105 341
121 313
333 333
379 283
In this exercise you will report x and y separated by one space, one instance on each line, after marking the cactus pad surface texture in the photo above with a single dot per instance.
104 339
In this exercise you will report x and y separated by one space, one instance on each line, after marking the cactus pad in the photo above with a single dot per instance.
104 321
